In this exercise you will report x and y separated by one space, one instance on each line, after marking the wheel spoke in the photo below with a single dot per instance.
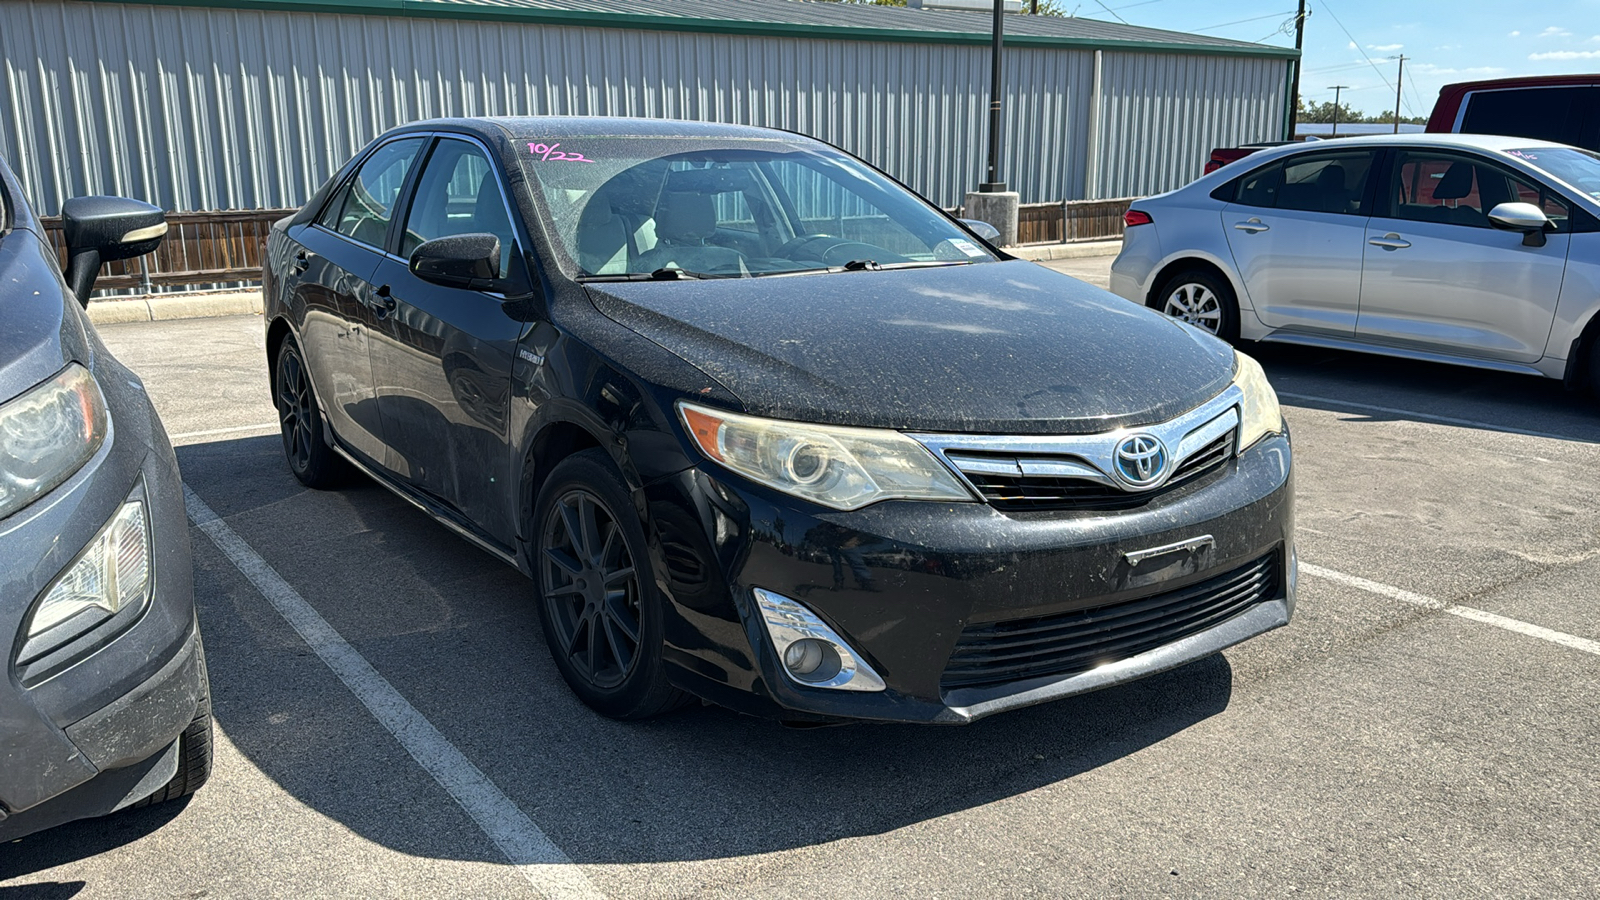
618 654
617 575
610 541
588 528
590 626
569 521
563 590
574 639
621 616
565 560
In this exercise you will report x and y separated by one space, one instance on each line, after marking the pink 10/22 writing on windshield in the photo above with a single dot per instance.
549 153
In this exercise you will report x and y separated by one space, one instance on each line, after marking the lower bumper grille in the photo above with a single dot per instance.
1069 643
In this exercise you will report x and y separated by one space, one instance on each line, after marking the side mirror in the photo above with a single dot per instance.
101 229
983 229
470 261
1523 217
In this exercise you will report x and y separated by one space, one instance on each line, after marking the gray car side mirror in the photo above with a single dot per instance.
101 229
1523 217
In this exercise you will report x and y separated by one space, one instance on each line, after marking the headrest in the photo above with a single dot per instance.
685 218
1456 183
1331 178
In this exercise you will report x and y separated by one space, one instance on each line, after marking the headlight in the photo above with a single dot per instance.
1259 413
112 573
48 434
845 468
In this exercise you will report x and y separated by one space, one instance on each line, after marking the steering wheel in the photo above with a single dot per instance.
788 248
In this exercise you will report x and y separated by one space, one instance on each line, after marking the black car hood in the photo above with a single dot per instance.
1009 347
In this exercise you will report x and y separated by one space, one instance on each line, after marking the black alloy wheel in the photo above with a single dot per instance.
599 606
592 588
310 458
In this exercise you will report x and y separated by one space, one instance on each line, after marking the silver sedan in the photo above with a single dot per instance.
1468 249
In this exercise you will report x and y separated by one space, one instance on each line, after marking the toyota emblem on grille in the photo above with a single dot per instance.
1141 460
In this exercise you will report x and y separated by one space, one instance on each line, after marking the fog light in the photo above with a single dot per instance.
812 653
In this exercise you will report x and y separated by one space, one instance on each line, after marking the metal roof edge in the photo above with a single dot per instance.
647 22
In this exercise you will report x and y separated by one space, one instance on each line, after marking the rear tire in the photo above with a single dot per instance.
300 420
1591 366
1202 299
598 602
194 748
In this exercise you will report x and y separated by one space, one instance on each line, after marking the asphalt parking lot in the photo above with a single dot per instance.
1424 728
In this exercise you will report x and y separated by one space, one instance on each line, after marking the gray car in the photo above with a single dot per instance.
1468 249
107 703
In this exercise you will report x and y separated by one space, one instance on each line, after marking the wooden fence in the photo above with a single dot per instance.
1071 220
218 247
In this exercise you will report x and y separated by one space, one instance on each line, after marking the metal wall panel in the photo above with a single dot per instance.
200 108
1161 114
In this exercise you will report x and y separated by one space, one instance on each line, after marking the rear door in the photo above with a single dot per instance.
1296 228
442 356
335 259
1438 276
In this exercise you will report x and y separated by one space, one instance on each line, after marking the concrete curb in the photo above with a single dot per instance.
160 307
1079 250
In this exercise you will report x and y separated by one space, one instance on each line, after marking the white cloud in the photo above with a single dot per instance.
1385 48
1555 31
1353 46
1514 34
1565 54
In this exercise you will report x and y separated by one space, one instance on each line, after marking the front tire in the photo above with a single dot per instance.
1203 300
194 748
599 606
300 420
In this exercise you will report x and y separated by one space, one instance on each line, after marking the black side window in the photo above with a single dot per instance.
458 193
1323 182
362 208
1548 114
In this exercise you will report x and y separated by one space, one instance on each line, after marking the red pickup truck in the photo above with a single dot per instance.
1563 108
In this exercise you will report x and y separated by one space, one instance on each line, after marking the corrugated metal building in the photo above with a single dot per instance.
237 104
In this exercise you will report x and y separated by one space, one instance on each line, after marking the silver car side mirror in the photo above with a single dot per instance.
1523 217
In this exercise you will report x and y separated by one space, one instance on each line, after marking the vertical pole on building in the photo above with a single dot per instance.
1294 89
1337 89
993 185
1398 78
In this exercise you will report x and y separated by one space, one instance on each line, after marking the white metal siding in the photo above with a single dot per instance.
198 108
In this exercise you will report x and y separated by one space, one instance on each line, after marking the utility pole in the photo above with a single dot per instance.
994 185
1398 78
1336 88
1294 89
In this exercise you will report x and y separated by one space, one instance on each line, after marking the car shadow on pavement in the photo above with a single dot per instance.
74 841
52 890
1367 387
455 633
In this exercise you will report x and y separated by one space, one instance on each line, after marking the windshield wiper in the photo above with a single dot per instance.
665 273
872 265
856 265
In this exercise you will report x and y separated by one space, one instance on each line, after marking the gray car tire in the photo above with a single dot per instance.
1202 299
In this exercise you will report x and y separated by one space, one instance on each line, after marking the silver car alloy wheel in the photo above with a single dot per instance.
1196 304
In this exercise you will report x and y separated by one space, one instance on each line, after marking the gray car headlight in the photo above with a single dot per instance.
845 468
111 574
47 434
1259 413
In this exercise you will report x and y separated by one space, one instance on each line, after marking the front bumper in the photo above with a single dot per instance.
98 716
901 581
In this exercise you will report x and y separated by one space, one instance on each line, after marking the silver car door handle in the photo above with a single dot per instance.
1390 241
1254 226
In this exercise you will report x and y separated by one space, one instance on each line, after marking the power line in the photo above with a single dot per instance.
1112 11
1290 14
1357 45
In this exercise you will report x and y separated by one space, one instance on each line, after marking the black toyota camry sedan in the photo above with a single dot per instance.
767 429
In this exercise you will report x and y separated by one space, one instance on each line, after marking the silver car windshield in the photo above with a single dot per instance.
1579 168
631 208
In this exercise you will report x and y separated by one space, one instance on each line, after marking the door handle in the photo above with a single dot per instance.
1390 241
383 302
1254 226
302 261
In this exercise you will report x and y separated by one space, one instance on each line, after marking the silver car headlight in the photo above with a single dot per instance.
1259 413
844 468
47 434
111 574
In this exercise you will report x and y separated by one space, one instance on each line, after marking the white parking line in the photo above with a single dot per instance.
1413 414
540 861
213 432
1466 612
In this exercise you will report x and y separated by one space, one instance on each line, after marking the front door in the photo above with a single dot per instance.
1296 228
1437 276
336 257
442 357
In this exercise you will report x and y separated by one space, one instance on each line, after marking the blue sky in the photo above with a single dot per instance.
1444 40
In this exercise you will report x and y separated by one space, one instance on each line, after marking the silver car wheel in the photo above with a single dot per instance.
1195 304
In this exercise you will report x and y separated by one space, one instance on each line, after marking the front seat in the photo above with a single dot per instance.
1456 185
1331 188
683 222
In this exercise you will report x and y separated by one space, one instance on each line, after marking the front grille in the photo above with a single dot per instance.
1070 643
1031 492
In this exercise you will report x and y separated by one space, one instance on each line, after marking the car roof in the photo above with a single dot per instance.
546 127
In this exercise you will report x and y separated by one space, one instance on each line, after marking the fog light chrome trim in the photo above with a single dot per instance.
789 621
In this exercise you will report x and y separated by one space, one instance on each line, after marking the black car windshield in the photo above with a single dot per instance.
1579 168
627 207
